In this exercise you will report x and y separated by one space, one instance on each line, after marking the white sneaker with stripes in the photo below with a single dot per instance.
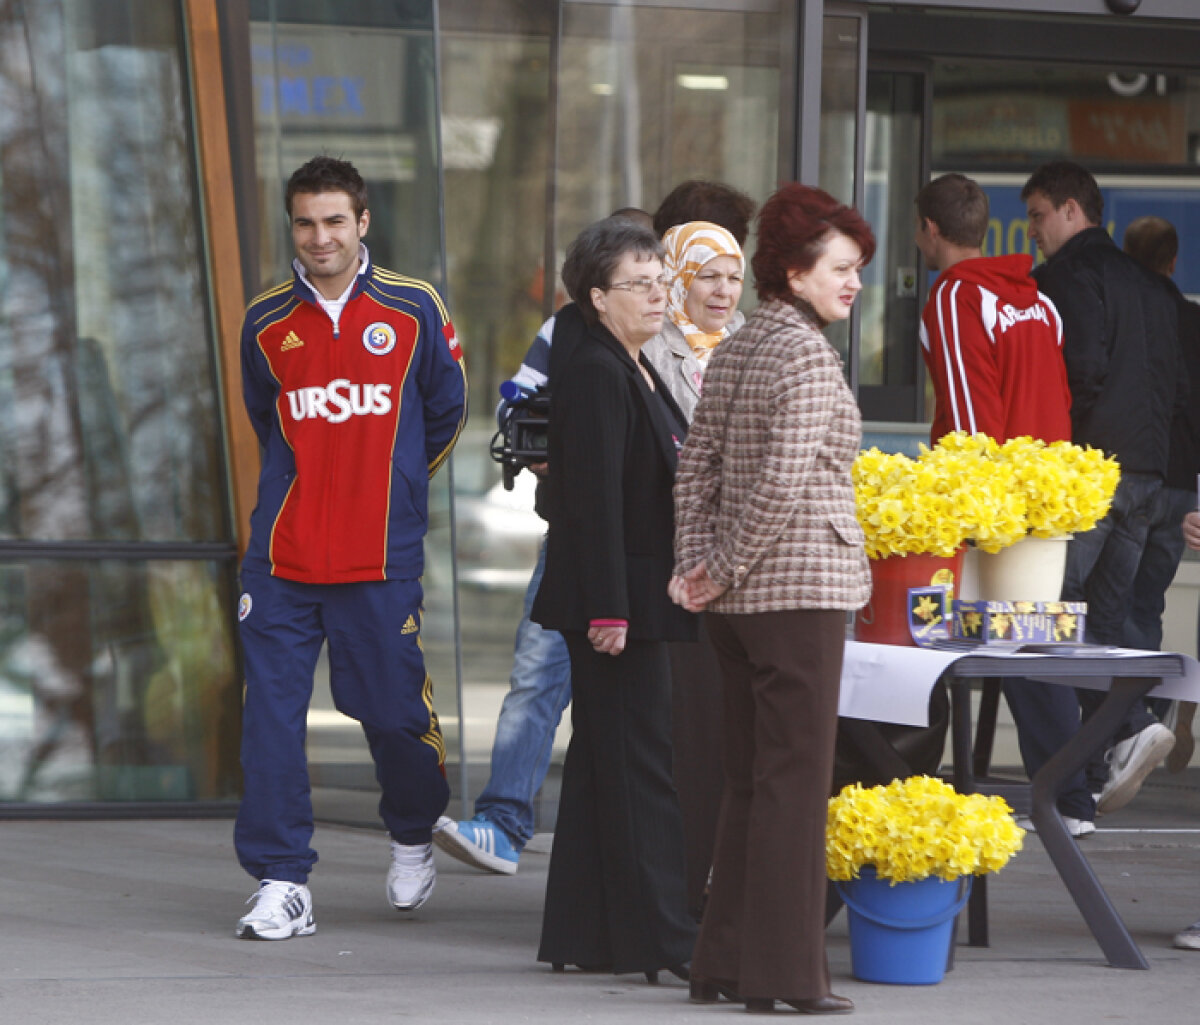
412 875
281 910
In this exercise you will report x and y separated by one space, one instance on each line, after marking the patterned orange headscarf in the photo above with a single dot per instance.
689 247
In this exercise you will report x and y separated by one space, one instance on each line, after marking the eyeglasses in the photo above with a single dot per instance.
640 286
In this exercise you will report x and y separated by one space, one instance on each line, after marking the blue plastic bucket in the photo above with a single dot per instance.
901 934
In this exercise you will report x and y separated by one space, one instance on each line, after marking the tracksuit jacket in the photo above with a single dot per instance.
994 348
353 423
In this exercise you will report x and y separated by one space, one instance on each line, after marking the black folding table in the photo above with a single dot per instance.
1127 677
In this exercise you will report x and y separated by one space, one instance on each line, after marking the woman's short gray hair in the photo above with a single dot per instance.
594 256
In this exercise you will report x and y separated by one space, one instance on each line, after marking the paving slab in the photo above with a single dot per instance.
131 922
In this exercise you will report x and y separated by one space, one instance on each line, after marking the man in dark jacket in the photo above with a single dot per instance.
1126 378
1154 243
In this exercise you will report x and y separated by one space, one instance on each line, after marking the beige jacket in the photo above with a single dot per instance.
670 354
763 490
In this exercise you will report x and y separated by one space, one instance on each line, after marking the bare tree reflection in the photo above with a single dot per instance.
108 397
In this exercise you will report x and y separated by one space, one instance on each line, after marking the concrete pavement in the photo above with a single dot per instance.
131 922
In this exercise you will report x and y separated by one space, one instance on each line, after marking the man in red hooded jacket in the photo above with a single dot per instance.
991 341
993 346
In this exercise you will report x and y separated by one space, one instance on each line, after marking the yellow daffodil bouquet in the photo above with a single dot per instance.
970 487
916 828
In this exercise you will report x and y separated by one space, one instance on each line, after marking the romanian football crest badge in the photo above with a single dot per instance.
379 338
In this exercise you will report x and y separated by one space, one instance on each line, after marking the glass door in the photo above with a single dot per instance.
890 378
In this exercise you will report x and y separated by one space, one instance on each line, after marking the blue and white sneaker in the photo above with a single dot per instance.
281 910
477 843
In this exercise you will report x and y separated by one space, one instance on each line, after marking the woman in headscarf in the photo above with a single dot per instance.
705 269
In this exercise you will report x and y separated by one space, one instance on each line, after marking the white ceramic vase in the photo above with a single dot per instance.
1030 570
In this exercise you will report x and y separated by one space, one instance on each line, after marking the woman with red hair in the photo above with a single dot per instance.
766 541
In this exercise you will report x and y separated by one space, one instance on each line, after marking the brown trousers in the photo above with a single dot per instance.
764 927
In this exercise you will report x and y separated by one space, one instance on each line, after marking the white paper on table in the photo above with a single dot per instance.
890 682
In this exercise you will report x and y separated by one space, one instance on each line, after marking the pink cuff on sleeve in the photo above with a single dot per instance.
609 622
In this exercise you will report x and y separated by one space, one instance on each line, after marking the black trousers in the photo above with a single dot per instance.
696 702
615 892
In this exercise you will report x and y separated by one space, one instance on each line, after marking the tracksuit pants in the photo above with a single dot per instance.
377 676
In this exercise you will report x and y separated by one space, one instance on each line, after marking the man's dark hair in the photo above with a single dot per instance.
594 256
328 174
958 206
700 200
1153 242
1061 180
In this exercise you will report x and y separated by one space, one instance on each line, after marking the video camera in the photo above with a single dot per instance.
524 438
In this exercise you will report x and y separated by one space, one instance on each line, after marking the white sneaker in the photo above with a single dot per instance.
281 910
1189 939
1076 827
412 875
1130 762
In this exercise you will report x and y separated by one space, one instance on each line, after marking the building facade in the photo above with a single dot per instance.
144 146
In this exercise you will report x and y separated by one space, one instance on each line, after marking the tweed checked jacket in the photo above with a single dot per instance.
763 490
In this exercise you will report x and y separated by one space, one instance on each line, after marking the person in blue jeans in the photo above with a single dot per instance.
1128 379
1154 243
539 691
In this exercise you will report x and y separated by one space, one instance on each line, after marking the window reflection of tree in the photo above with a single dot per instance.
111 436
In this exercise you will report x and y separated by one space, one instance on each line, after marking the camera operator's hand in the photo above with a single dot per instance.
608 639
539 469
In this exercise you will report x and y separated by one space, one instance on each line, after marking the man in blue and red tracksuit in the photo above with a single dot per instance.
355 385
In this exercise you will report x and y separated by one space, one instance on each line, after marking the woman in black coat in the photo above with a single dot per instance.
615 895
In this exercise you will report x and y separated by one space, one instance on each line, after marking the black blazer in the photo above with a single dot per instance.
613 448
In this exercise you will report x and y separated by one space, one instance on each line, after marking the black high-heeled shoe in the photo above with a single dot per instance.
830 1004
680 971
710 991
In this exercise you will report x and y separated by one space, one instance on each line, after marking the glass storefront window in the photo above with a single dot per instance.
653 94
109 424
1019 114
889 361
118 682
1137 130
118 677
358 83
496 61
839 105
840 66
